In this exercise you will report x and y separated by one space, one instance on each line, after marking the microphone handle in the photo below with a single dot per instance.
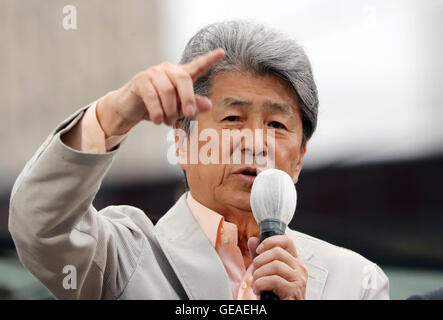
269 295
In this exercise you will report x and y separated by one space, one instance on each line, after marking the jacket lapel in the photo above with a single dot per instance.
191 255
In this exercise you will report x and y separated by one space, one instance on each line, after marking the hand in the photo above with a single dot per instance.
278 268
161 94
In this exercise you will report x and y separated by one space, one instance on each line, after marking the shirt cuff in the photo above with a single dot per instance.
93 136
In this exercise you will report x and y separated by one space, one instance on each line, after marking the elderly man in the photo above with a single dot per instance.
233 75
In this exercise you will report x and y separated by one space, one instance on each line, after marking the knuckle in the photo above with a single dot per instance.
256 264
139 75
297 277
148 74
279 252
154 69
259 283
140 78
278 266
182 75
274 280
284 240
166 89
166 64
151 94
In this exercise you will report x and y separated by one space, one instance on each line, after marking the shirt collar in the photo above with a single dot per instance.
209 220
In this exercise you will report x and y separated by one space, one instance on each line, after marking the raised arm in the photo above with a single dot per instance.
52 221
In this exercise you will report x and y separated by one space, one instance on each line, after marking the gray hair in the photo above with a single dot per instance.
254 48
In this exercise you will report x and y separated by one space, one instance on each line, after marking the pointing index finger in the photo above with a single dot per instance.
202 64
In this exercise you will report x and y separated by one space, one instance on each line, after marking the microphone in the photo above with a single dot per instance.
273 201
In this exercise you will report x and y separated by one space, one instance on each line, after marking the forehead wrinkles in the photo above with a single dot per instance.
267 105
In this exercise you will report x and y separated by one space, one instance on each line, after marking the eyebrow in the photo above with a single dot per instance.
280 107
273 106
236 102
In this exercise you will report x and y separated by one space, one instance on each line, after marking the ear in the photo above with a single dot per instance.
181 145
299 164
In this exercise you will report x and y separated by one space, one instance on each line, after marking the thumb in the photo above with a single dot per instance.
253 243
203 103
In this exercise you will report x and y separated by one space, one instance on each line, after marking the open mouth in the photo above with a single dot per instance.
247 171
247 174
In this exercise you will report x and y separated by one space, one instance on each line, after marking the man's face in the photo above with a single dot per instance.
245 102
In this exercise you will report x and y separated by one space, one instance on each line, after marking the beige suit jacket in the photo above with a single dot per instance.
117 253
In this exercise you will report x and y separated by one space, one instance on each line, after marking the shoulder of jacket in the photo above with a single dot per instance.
131 217
329 253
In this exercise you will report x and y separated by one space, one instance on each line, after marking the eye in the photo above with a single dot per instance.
276 125
232 118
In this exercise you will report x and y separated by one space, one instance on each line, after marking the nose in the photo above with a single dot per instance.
259 152
255 147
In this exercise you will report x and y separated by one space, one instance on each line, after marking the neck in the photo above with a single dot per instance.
244 220
247 227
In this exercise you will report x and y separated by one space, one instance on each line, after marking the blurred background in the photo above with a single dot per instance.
372 175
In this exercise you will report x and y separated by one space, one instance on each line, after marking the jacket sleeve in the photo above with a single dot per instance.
75 251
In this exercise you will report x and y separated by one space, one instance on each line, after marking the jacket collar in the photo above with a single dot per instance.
198 266
191 254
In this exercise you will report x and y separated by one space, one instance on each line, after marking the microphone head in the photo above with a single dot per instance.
273 196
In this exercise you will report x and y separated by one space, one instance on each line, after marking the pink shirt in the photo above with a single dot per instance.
88 136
